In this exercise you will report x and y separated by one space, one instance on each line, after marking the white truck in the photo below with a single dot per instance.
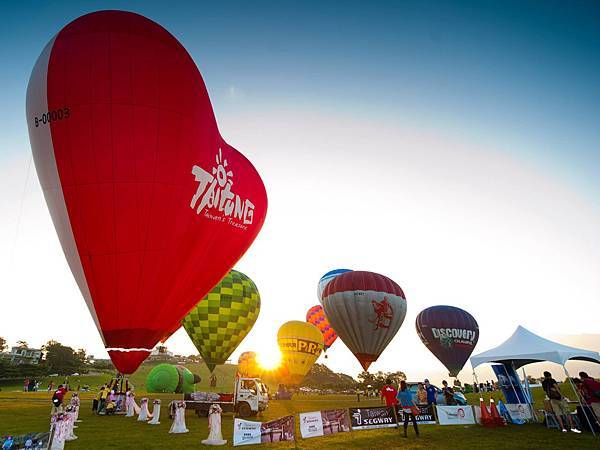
250 396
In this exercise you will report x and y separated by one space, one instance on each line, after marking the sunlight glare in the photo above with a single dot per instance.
269 359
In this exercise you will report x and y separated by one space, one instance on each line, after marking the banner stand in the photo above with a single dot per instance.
511 382
529 396
396 417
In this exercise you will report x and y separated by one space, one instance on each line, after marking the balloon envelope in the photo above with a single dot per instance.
222 319
366 310
450 333
316 316
168 378
248 365
300 344
326 279
152 207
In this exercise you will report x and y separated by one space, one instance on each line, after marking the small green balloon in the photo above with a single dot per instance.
163 378
170 379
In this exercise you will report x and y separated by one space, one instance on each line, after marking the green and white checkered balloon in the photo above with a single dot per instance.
222 319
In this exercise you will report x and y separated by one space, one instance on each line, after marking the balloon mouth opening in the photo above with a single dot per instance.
366 359
127 360
113 349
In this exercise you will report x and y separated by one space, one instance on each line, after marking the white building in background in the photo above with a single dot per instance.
23 355
161 353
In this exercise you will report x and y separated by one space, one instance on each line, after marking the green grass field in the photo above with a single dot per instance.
22 413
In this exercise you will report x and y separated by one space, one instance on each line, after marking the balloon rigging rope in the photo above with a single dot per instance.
20 215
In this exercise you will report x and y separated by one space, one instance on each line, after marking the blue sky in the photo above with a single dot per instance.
471 128
523 75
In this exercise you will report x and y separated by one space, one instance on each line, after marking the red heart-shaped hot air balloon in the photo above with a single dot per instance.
152 207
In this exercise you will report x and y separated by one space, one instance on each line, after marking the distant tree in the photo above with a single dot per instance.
531 380
64 360
22 344
3 345
102 364
378 379
321 377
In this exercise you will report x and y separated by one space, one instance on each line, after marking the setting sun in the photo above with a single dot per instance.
269 359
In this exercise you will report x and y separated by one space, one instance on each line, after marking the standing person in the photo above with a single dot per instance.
408 407
431 394
105 391
96 401
389 393
358 395
592 390
557 401
26 385
421 394
448 393
57 400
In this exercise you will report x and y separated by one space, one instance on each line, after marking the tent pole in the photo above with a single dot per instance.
475 381
529 397
579 398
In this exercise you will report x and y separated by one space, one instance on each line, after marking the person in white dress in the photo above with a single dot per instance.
144 413
70 419
214 425
155 413
75 402
179 422
58 431
132 407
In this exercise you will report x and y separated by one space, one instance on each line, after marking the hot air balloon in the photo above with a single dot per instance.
168 378
366 310
222 319
170 333
248 365
300 344
450 333
326 279
152 207
316 316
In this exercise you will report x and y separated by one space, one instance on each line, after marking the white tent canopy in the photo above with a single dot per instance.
525 347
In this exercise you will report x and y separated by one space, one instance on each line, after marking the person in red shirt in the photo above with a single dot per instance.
389 392
592 389
57 399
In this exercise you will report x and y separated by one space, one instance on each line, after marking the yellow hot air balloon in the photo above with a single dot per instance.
300 344
248 366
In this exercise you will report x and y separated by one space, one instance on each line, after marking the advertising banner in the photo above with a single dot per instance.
375 417
509 382
519 411
455 415
246 432
319 423
31 440
426 416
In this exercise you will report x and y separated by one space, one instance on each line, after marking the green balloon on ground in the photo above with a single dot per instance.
170 379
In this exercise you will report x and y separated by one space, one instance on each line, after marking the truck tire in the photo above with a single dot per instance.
244 410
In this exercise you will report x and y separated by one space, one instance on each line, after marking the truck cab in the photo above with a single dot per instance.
250 396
